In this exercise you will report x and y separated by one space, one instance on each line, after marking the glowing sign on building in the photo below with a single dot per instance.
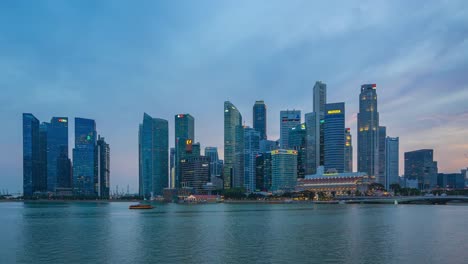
62 120
188 145
180 116
333 112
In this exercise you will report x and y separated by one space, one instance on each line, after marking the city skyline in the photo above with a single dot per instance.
60 85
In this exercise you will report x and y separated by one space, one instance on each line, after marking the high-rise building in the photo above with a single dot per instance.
283 170
103 168
263 171
232 120
184 135
41 183
260 119
392 160
57 154
31 153
195 172
251 150
84 160
172 168
348 151
212 153
153 156
311 144
420 165
368 131
297 141
320 99
382 175
238 166
334 137
288 120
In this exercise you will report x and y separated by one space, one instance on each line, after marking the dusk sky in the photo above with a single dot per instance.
114 60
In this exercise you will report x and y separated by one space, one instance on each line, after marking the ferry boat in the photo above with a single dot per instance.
141 206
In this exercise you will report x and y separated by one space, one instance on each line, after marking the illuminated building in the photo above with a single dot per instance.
420 166
334 137
368 131
84 162
392 160
232 120
251 150
195 172
31 153
283 170
103 168
153 142
288 120
57 154
260 119
297 141
335 184
348 151
184 136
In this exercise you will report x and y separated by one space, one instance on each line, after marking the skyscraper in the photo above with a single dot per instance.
297 141
320 99
382 176
334 137
420 165
172 159
368 131
84 160
31 153
238 166
212 153
311 144
263 171
195 172
57 154
184 133
288 120
260 118
153 156
391 161
348 151
103 168
283 170
251 150
232 120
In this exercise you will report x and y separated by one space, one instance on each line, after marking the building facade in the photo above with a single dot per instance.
297 141
260 119
103 168
153 156
31 154
232 122
283 170
348 151
420 166
184 136
195 172
368 131
392 161
57 154
288 120
84 159
251 150
263 171
334 137
382 175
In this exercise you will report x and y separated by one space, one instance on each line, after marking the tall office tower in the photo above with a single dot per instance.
263 171
195 172
84 160
65 170
103 168
172 168
391 161
41 183
251 150
184 134
153 156
311 160
297 141
334 137
238 171
283 170
320 99
382 177
348 151
260 119
368 131
57 150
31 153
232 119
288 120
212 153
420 165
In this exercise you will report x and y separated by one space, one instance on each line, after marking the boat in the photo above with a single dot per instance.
141 206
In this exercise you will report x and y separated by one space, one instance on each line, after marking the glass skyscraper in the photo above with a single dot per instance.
288 120
103 169
311 144
368 131
232 121
57 154
31 153
195 172
320 99
153 138
382 175
392 160
184 136
334 137
348 151
297 141
283 170
420 165
84 160
251 150
260 119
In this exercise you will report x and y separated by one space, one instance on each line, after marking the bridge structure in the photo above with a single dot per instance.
404 200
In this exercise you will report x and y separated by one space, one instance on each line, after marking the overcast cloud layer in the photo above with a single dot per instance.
113 60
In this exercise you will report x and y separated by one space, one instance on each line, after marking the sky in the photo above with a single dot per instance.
114 60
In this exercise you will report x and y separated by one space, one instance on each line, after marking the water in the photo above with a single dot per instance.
232 233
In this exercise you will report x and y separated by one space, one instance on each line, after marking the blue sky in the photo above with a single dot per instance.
113 60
